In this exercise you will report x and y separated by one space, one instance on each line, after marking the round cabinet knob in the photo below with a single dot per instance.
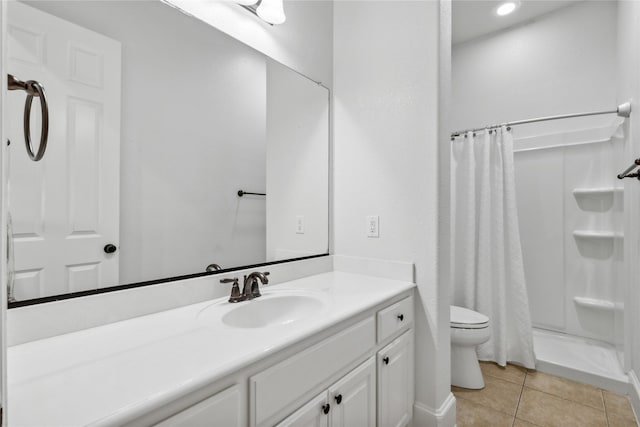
401 317
385 360
109 248
339 399
326 408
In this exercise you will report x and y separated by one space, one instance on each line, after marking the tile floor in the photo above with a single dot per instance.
515 397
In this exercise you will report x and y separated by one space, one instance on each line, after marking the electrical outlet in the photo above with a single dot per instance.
300 224
373 226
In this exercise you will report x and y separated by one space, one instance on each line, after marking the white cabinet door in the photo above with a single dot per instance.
221 409
310 415
395 382
353 398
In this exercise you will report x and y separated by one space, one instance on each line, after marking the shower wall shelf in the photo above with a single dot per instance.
589 234
597 199
602 191
594 303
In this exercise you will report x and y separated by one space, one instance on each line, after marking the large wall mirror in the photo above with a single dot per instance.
157 121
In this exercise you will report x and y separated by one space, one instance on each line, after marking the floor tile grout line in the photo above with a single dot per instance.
625 417
570 400
519 399
604 405
503 379
565 399
559 397
488 407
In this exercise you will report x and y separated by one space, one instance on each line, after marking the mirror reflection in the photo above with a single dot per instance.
150 143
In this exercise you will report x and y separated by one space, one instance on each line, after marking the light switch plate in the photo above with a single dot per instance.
373 226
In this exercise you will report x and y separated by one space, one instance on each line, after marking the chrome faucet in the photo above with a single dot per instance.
251 288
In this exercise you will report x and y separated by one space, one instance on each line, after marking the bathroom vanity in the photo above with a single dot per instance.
322 350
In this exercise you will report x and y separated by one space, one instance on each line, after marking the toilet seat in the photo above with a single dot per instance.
463 318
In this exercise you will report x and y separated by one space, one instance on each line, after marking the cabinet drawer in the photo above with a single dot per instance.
395 318
281 387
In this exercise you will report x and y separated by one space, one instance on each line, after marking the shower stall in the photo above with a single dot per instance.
570 206
577 220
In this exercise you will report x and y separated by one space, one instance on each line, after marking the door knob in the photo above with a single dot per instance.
385 360
110 248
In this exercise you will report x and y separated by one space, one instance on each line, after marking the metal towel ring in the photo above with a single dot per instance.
33 89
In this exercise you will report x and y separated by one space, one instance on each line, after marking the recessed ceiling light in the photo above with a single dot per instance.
506 8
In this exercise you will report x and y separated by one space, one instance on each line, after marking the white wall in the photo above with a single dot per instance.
297 165
447 412
386 60
193 134
562 62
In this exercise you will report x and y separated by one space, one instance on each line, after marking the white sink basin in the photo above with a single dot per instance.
272 308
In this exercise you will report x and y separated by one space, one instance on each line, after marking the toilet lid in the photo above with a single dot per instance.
468 319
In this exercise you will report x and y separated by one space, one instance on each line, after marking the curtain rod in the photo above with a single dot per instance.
623 110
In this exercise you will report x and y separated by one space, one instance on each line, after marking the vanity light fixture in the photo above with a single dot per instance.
270 11
506 8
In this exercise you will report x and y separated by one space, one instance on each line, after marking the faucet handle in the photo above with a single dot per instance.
236 296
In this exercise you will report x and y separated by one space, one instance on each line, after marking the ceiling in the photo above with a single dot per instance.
475 18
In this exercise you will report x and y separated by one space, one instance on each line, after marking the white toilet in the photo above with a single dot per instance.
468 330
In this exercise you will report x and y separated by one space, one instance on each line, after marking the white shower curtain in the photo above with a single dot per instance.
487 266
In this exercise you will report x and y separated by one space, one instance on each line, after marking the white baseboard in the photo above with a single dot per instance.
444 416
634 393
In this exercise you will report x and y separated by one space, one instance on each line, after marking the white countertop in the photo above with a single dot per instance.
115 373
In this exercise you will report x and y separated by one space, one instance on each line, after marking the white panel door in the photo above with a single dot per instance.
65 208
310 415
395 382
222 409
353 398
